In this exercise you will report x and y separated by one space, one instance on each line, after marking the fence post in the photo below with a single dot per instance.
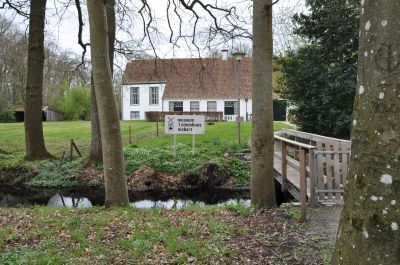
157 126
130 135
303 185
284 165
313 177
71 149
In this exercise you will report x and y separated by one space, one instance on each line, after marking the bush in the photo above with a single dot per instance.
162 158
6 115
54 174
240 170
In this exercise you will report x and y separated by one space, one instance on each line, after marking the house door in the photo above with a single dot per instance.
230 108
176 106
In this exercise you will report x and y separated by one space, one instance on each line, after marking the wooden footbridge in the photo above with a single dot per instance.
311 167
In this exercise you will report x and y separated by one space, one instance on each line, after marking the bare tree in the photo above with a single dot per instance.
114 175
34 140
262 167
369 226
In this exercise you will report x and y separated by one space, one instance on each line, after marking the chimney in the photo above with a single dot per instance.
224 54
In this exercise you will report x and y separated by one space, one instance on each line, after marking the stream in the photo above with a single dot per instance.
143 200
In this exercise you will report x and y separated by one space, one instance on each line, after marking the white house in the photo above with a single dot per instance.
208 84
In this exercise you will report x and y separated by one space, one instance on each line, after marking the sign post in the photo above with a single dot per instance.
184 124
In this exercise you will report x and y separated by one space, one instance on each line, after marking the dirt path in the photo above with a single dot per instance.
324 221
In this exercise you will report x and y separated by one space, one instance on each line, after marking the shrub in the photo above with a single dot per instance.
54 174
6 115
162 158
240 170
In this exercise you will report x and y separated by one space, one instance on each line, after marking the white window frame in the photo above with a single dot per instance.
154 97
211 109
135 115
193 107
175 104
231 104
134 96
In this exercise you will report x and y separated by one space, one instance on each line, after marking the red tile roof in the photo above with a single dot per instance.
192 78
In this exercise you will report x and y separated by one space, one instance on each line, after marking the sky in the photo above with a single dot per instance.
62 27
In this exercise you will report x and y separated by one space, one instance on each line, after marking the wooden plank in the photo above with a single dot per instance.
345 167
284 164
329 172
320 173
313 178
293 177
313 137
303 187
337 171
283 139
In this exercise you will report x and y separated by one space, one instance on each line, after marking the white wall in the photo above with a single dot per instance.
220 105
144 100
164 104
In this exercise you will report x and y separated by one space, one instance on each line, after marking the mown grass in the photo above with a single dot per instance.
58 134
146 150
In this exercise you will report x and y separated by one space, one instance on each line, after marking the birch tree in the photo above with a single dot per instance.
262 182
369 226
113 161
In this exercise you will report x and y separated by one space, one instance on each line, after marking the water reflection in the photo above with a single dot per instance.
70 202
137 200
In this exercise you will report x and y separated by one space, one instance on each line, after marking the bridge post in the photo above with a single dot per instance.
284 165
313 177
303 185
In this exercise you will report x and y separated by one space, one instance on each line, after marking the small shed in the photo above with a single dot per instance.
48 114
52 115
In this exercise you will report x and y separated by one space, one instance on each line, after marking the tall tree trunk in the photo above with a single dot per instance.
96 153
34 140
113 160
262 182
369 226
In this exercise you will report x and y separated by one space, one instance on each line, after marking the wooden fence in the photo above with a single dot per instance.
325 163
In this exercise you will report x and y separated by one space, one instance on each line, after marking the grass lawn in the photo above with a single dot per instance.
58 134
208 235
146 150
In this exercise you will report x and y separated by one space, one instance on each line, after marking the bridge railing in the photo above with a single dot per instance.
296 155
326 163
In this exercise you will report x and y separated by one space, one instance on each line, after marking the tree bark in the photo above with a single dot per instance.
34 140
369 226
262 182
113 160
96 152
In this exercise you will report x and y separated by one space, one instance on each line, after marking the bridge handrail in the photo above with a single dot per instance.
303 168
288 141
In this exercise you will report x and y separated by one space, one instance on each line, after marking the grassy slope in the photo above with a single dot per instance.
58 134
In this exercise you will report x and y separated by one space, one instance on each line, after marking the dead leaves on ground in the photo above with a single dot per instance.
211 235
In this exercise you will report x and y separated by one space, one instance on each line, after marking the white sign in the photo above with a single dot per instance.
184 124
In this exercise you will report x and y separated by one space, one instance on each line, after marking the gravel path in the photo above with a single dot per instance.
324 221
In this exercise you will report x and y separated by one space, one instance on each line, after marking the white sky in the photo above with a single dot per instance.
62 26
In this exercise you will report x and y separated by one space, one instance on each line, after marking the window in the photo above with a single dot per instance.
135 115
154 96
194 106
134 96
211 105
176 106
230 107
